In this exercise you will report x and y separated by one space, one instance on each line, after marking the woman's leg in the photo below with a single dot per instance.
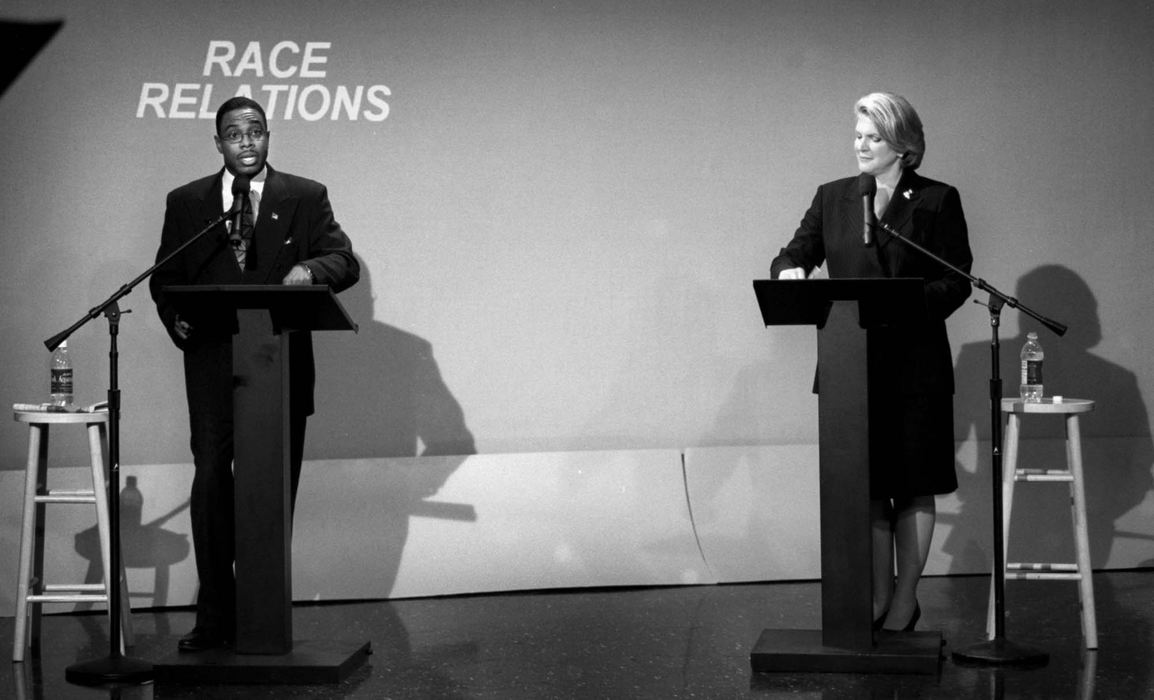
913 531
881 520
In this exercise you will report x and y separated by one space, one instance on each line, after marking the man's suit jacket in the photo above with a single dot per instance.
928 213
294 225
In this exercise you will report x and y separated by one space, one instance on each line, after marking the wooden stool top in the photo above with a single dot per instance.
32 413
1048 405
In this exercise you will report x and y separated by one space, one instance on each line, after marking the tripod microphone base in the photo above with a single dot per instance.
113 670
1002 652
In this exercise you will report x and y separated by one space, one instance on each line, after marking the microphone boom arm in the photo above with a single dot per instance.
54 342
1003 299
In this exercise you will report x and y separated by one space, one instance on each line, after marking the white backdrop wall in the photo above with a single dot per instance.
560 207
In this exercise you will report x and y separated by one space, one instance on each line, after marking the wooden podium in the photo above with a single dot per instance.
845 312
265 651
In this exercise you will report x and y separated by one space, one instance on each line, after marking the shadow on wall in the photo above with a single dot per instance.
1117 448
380 392
143 546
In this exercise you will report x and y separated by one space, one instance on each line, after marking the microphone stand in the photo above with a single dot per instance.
116 667
999 650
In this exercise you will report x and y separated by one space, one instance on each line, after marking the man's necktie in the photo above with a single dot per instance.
242 244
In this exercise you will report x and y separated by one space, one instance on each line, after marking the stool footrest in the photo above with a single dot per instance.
1020 566
1042 572
66 498
1043 475
65 598
1042 576
57 587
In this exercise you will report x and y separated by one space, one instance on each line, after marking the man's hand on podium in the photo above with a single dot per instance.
299 274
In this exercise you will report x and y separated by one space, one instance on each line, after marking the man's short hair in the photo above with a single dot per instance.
238 102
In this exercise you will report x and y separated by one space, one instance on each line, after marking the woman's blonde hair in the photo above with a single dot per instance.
897 123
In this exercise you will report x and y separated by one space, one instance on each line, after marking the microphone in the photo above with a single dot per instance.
868 187
240 188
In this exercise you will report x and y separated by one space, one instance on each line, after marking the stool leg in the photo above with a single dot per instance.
1087 673
96 439
34 474
1081 532
1009 468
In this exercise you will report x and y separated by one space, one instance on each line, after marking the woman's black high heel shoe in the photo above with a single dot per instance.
878 623
881 621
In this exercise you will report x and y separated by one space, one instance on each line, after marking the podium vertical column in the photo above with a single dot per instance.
844 483
263 511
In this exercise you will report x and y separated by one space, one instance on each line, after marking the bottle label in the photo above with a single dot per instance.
61 381
1031 372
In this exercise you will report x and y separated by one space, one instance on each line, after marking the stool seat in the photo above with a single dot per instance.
47 416
1072 473
32 590
1047 405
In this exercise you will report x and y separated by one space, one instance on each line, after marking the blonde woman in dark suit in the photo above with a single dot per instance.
912 451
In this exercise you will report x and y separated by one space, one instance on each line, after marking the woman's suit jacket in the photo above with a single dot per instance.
927 212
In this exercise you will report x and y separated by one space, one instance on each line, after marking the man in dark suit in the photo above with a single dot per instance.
287 234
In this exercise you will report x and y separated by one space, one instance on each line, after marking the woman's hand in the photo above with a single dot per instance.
182 328
793 273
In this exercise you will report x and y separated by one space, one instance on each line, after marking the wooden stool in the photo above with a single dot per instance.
1079 571
32 591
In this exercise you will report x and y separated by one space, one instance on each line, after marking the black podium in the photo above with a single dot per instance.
263 318
846 313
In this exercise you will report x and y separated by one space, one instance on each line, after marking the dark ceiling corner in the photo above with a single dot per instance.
21 41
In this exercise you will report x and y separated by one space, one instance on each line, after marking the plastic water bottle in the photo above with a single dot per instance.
60 390
1031 384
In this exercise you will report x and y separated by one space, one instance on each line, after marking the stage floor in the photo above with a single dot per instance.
685 642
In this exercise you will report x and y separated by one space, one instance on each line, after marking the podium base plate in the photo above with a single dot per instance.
309 662
802 651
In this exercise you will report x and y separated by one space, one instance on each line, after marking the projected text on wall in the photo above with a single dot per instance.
291 80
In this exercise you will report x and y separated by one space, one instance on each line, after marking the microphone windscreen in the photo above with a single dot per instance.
866 184
240 185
